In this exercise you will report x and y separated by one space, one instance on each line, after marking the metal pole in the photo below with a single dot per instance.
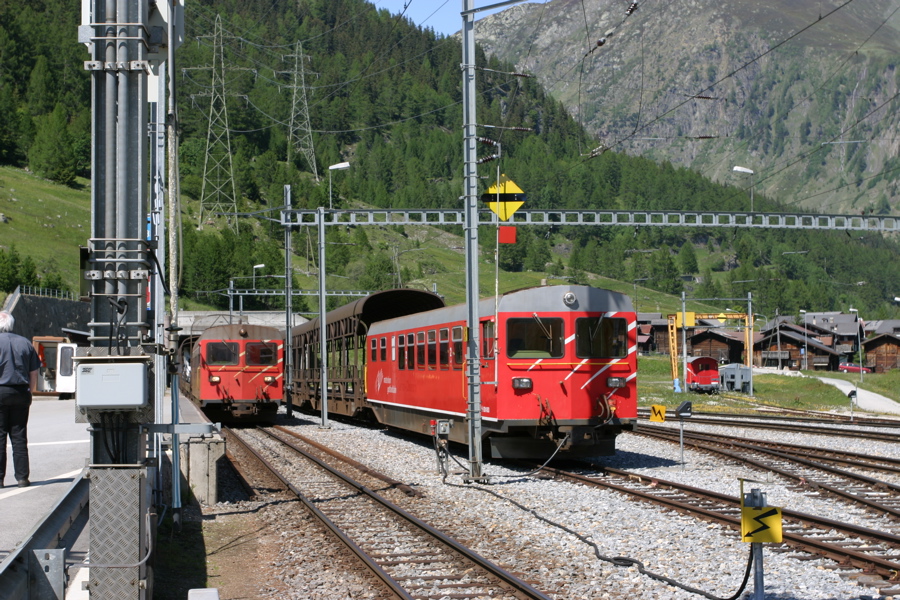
750 349
470 198
859 346
681 442
288 381
757 499
683 342
323 343
778 338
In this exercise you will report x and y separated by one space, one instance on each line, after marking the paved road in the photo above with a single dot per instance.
59 449
865 400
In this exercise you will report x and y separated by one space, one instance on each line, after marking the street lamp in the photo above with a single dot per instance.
749 172
858 343
805 343
255 267
336 167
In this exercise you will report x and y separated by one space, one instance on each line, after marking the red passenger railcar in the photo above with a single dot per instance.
236 373
558 367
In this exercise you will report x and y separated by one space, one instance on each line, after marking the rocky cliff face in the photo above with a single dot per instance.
804 93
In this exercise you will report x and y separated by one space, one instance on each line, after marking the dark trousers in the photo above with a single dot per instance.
14 407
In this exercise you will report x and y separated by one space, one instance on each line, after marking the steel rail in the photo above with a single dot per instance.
854 459
517 584
884 567
367 560
872 435
806 481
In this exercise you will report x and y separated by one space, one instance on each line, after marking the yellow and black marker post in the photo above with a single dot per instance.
759 524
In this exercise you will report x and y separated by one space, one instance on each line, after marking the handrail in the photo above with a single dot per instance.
47 534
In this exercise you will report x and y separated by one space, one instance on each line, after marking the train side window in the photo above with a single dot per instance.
601 337
410 350
432 349
444 347
420 350
222 353
383 349
458 351
535 337
401 352
487 339
261 353
374 356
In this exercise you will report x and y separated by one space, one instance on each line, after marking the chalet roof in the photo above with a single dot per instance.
880 326
730 335
798 338
655 319
882 337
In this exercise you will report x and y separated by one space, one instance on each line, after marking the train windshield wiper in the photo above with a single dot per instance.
596 330
543 327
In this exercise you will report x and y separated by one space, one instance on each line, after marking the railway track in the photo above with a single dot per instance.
411 558
851 547
809 476
768 413
769 425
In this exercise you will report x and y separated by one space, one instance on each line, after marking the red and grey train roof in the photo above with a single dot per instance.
542 299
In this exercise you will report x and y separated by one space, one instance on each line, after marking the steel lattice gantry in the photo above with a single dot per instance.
620 218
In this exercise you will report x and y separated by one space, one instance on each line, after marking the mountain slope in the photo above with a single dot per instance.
803 96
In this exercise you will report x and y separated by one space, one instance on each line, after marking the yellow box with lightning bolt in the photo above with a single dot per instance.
658 413
761 524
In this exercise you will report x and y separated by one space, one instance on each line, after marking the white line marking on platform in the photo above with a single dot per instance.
16 491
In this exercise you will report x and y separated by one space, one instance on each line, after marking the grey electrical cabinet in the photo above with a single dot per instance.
110 384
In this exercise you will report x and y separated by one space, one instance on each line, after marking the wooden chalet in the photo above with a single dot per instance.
882 352
724 345
653 333
786 347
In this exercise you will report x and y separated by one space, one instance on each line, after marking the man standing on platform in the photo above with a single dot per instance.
19 366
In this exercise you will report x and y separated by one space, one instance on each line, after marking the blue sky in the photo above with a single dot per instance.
440 15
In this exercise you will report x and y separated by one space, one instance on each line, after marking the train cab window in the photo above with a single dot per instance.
601 337
444 347
459 353
432 349
535 337
261 353
401 352
222 353
420 350
410 351
487 339
383 349
374 356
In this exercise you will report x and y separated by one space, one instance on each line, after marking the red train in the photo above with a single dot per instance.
558 367
236 373
702 375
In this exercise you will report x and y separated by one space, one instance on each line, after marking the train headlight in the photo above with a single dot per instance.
269 379
521 383
615 382
569 299
214 379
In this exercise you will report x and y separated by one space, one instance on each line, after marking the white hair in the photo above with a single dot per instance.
7 322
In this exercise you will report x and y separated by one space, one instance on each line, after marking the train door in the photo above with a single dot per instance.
488 368
65 368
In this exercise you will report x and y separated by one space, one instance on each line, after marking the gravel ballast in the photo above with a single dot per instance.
528 525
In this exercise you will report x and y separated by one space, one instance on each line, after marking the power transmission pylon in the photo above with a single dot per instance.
218 194
300 137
